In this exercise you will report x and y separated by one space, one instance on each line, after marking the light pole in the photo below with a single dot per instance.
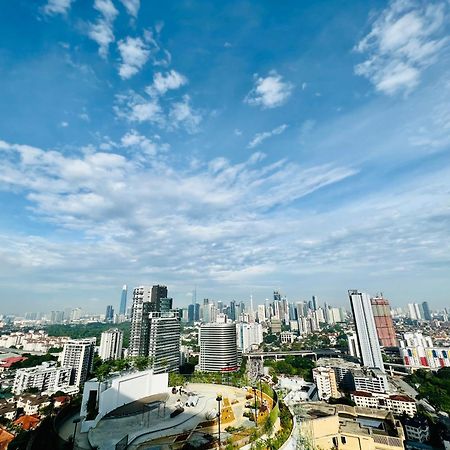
256 410
76 422
219 399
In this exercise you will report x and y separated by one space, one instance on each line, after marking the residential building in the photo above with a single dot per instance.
398 404
111 344
249 336
141 308
353 347
46 378
218 347
325 380
345 427
417 428
383 322
366 330
158 292
78 354
164 341
371 380
287 337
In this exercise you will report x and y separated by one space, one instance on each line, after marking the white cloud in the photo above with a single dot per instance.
181 113
135 108
132 6
404 40
259 138
136 140
164 82
102 31
53 7
134 53
269 92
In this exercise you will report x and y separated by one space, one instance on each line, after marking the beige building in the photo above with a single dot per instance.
398 404
345 427
325 380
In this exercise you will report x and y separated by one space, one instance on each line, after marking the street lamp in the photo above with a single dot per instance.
256 410
76 422
219 399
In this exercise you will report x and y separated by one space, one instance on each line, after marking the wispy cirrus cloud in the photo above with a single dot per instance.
134 53
404 40
259 138
53 7
102 30
270 91
132 7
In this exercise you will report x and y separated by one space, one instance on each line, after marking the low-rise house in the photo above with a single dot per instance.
32 404
8 410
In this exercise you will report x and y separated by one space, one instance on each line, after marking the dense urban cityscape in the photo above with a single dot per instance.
303 372
224 225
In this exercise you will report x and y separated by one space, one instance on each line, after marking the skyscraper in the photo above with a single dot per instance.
123 301
109 314
426 311
111 344
383 322
158 292
139 321
366 330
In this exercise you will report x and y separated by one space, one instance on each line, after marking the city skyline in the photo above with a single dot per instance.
132 154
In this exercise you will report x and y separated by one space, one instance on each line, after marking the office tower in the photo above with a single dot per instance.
314 302
139 321
164 341
219 307
123 301
426 311
56 317
197 312
158 292
415 312
383 322
111 344
232 314
218 347
191 313
261 313
366 331
325 380
109 314
276 296
78 354
165 305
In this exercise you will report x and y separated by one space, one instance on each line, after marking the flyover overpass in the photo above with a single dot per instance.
326 352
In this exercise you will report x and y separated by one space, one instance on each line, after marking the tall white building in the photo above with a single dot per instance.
248 335
261 313
218 347
353 346
140 309
111 344
164 341
46 378
366 330
78 354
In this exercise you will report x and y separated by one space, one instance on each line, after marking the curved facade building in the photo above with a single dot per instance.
218 347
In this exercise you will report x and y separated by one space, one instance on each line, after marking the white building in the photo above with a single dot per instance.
372 380
353 346
218 347
325 380
78 354
417 429
249 335
398 404
295 390
140 309
287 337
111 344
262 313
46 378
366 330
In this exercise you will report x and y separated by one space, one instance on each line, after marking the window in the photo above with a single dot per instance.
343 440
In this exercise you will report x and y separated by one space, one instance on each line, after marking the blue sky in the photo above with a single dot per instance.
239 147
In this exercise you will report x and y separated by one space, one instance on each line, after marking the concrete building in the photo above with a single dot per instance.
78 354
344 427
111 344
383 322
398 404
249 336
353 347
417 429
366 330
123 301
325 380
46 378
140 310
287 337
218 347
164 341
426 311
371 380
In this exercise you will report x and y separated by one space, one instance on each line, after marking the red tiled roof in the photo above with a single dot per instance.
7 362
402 398
27 422
362 394
5 438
